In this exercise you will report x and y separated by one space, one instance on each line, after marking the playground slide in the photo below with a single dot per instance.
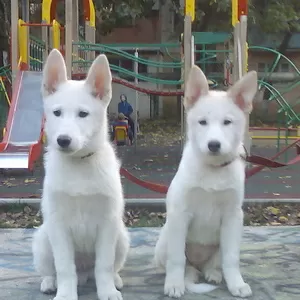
22 142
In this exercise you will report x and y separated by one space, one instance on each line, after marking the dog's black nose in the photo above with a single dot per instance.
214 146
64 141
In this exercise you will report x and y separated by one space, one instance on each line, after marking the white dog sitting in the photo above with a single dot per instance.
82 204
204 224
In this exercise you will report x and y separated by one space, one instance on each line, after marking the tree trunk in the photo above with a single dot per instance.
4 28
285 42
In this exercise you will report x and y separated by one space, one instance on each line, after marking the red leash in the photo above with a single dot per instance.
152 186
260 161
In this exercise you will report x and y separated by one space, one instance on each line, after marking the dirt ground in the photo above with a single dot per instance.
25 216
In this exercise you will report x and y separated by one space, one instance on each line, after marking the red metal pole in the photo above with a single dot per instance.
242 8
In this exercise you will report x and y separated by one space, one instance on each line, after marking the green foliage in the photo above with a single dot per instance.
211 15
4 24
275 15
120 13
270 15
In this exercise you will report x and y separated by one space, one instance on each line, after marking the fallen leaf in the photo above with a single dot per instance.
29 180
273 210
148 160
136 168
27 209
275 223
283 219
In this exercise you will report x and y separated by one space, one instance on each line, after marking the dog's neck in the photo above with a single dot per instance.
216 162
87 155
224 164
243 156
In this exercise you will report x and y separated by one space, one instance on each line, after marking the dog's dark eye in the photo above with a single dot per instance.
57 113
83 114
202 122
227 122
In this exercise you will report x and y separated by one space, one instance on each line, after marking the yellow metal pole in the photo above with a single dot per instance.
56 34
23 41
187 42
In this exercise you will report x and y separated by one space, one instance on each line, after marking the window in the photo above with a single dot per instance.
117 62
284 67
142 68
263 67
126 64
266 67
113 61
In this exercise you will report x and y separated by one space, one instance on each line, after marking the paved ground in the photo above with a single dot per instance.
159 164
270 263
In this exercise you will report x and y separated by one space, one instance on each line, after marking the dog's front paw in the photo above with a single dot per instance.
174 289
242 291
48 285
213 275
110 295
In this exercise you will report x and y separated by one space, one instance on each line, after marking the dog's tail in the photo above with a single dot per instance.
191 276
199 288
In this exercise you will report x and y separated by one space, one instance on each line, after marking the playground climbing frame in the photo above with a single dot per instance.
32 52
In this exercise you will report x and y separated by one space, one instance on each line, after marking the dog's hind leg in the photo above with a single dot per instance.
43 260
122 249
212 268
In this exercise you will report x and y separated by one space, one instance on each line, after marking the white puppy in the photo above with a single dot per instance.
82 205
204 224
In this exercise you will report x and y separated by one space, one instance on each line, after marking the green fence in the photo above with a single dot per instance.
36 53
4 107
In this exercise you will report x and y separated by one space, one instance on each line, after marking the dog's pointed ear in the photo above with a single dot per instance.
54 73
196 87
99 78
243 91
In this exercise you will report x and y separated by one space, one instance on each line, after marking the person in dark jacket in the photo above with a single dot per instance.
125 108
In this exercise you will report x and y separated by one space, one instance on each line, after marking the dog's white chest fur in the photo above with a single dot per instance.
95 175
206 217
206 193
206 210
81 216
82 193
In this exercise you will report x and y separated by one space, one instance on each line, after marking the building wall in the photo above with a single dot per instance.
144 31
143 99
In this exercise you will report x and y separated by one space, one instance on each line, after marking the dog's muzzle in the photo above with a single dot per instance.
64 141
214 147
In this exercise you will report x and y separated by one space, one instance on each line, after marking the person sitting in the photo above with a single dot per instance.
125 108
122 121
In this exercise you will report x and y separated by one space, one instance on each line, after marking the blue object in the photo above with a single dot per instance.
124 107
